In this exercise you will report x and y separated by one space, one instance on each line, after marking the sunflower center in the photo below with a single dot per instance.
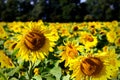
92 26
72 52
118 40
91 66
89 38
34 41
75 28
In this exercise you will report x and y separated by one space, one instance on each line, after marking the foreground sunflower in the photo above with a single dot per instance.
35 42
95 67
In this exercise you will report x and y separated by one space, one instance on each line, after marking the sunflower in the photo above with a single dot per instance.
35 42
64 30
113 62
118 31
111 36
69 52
109 25
88 39
117 41
16 26
115 23
5 61
36 71
75 29
10 44
95 66
3 33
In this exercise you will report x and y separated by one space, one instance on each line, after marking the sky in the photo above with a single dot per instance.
81 1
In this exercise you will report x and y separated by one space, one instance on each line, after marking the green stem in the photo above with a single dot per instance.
89 78
30 71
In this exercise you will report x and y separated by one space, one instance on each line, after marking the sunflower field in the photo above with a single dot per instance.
60 51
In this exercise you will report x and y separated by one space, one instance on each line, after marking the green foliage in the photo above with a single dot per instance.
10 12
59 10
67 77
38 10
103 9
56 71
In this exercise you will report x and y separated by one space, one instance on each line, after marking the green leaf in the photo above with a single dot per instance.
37 63
12 72
22 78
2 76
13 78
50 78
56 71
67 77
47 76
37 77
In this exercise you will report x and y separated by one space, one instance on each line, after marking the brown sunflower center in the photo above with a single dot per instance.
72 52
91 66
75 28
118 40
89 38
34 41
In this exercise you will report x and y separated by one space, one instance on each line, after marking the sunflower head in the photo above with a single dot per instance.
111 36
91 66
5 61
117 41
75 28
69 52
88 40
10 44
36 71
95 66
3 32
35 42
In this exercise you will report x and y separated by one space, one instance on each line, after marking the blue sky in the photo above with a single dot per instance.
81 1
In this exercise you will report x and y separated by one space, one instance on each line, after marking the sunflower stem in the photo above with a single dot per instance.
30 71
89 78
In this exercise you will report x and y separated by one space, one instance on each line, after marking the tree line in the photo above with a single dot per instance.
59 10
